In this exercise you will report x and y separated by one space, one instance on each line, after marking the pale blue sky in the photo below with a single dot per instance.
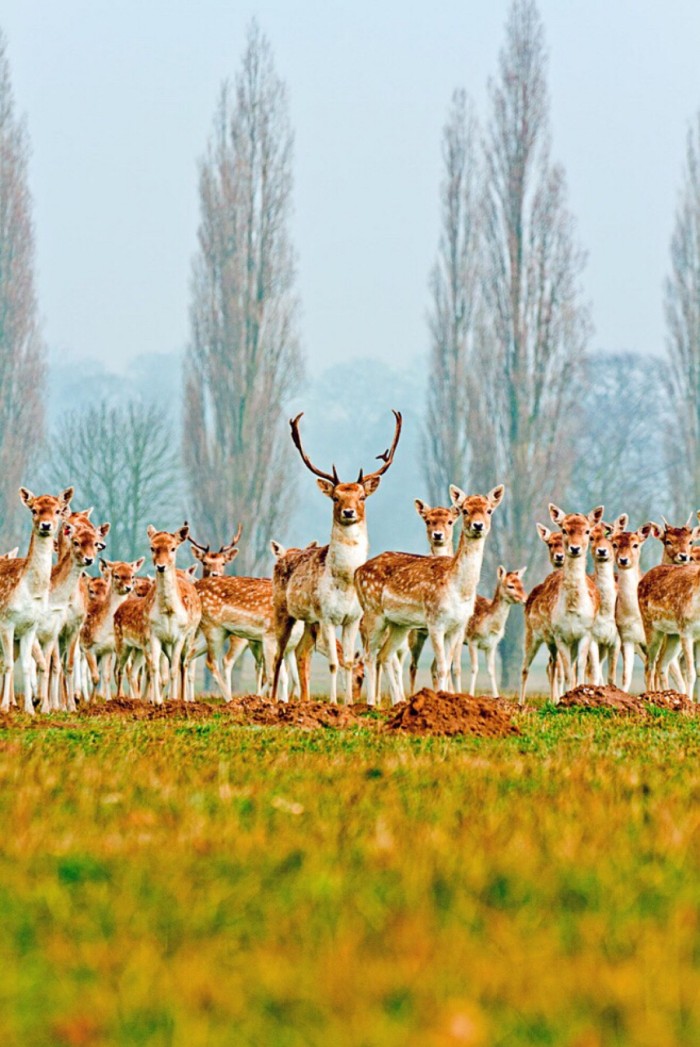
119 97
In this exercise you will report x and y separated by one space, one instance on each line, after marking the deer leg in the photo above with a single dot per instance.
153 653
236 647
594 659
416 643
283 630
302 659
26 644
687 644
327 636
348 639
491 664
613 655
437 640
532 646
653 649
396 635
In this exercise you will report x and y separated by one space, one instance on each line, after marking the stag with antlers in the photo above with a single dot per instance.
317 586
214 564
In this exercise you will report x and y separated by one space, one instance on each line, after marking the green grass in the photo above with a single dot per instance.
186 883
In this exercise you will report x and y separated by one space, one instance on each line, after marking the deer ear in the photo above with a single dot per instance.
68 530
67 495
150 530
325 487
231 555
556 513
500 572
521 572
87 513
608 529
495 496
12 555
457 495
596 515
644 532
370 484
138 564
183 532
421 507
277 548
543 532
197 553
655 530
191 570
28 498
104 566
104 529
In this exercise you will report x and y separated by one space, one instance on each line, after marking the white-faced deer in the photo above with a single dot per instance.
554 540
82 543
317 587
677 542
162 622
604 632
97 642
627 548
214 563
24 589
487 625
400 592
561 610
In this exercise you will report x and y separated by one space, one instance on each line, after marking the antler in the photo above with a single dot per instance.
202 548
294 423
388 456
234 540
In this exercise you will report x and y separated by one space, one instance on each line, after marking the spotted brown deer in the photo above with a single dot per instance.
677 542
487 625
554 540
24 590
214 563
317 586
163 621
97 641
627 548
561 610
402 591
604 633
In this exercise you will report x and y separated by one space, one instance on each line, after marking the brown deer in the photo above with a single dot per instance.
97 641
24 590
214 563
82 543
317 586
561 610
163 621
487 625
604 632
401 591
627 548
554 540
677 542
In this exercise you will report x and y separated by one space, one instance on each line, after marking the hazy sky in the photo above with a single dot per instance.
119 98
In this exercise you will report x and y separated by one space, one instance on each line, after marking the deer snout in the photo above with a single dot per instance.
160 567
348 514
574 550
602 554
477 527
682 558
438 536
559 559
88 561
623 561
45 527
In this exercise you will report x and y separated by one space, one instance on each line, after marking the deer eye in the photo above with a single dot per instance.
635 545
489 511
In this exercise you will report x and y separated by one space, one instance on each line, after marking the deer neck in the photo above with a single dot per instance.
65 578
498 611
466 567
37 570
441 550
627 582
167 591
347 549
604 573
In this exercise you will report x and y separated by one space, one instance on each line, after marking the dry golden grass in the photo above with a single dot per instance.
183 883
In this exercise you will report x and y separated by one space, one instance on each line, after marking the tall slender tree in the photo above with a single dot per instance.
454 286
244 361
682 306
533 324
22 353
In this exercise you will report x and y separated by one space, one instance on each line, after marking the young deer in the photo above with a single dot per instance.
487 625
317 586
439 524
163 621
401 591
604 632
24 590
561 610
82 543
97 641
214 564
627 547
554 540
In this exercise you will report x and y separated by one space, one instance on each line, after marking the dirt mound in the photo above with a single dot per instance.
674 701
431 712
589 697
140 710
585 696
262 712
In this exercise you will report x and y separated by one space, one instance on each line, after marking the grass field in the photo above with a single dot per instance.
182 883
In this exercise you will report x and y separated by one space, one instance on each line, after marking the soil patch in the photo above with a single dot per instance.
589 697
441 713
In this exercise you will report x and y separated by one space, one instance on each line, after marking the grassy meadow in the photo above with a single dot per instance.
187 882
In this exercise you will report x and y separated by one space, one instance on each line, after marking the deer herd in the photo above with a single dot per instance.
77 636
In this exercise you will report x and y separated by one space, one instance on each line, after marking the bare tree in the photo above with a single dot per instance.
455 292
243 362
533 325
616 462
682 302
22 353
124 461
